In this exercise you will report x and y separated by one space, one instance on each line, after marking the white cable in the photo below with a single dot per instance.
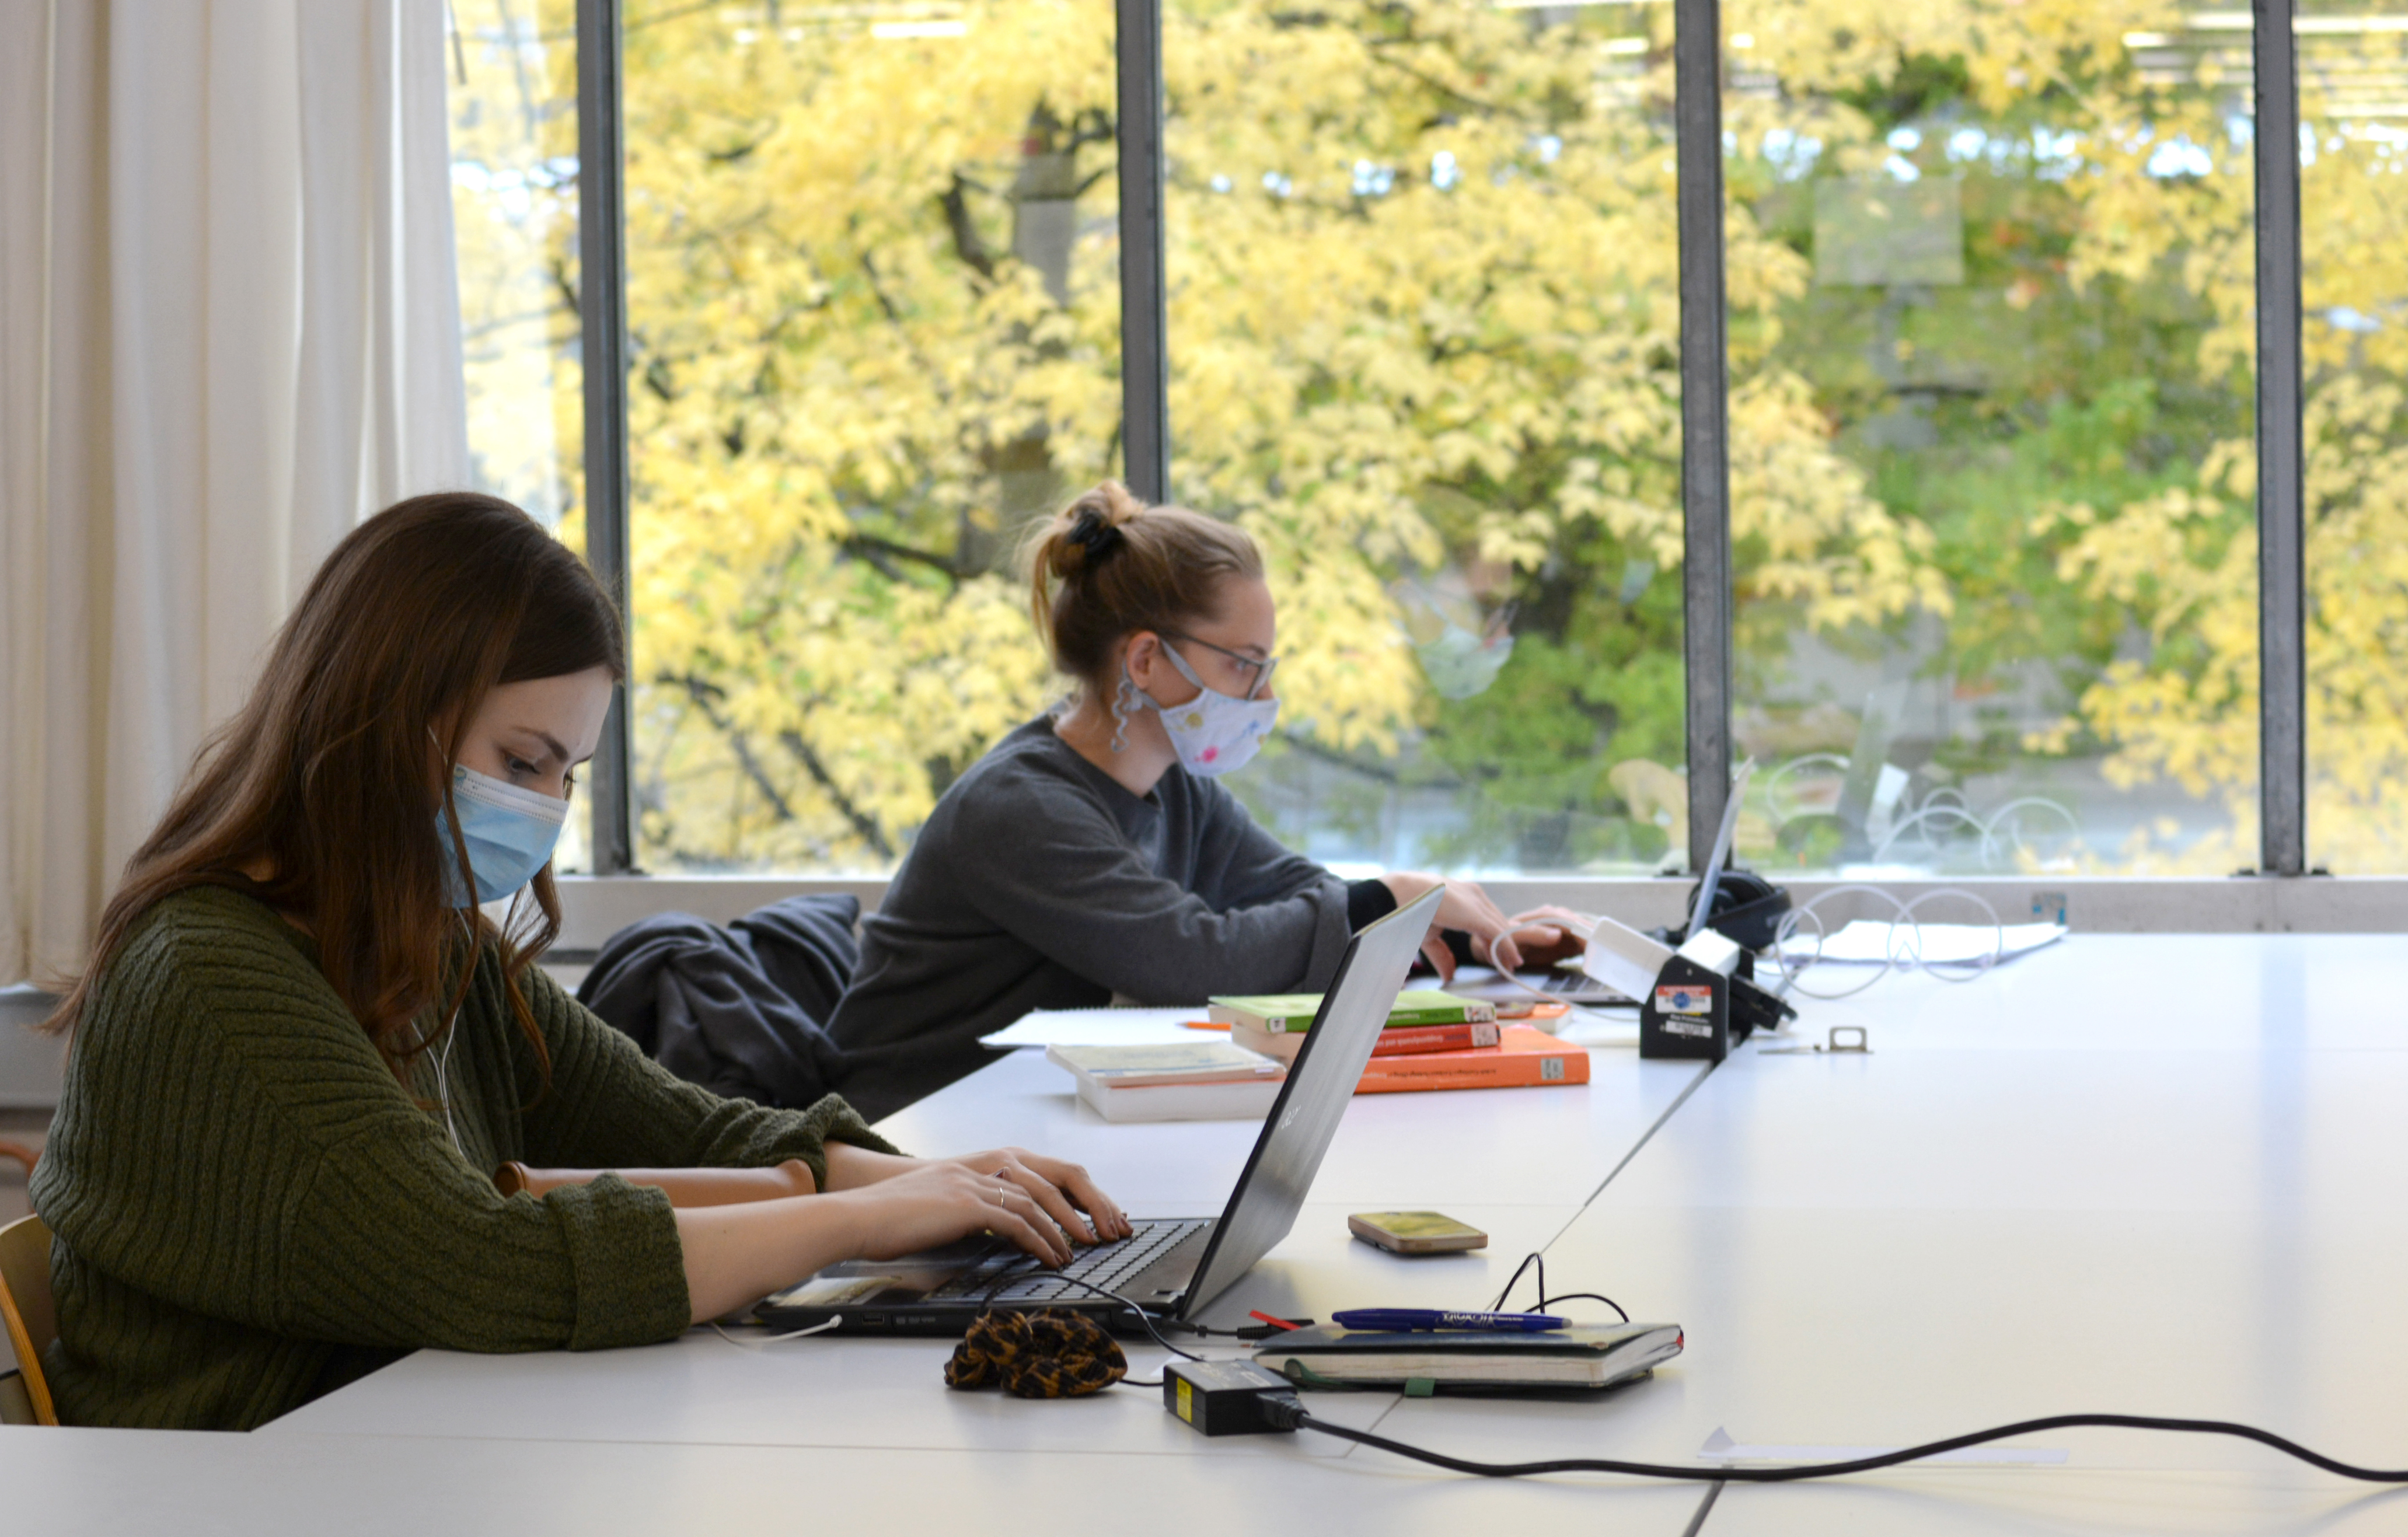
773 1339
1905 943
1973 968
443 1079
1899 958
1787 928
1582 924
443 1058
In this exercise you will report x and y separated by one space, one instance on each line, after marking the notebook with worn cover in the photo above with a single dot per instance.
1172 1266
1580 1355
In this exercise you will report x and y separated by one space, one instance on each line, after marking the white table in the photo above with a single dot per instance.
417 1482
1529 1146
2196 1207
2241 992
1543 1150
2061 1502
2158 1174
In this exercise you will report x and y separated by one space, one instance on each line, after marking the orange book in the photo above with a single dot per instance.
1524 1058
1395 1041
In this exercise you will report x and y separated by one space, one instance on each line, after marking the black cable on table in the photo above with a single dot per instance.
1528 1260
1294 1416
1546 1303
1144 1320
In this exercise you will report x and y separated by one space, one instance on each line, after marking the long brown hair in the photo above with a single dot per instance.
323 776
1108 566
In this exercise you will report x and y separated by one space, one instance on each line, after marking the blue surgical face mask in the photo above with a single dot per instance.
509 833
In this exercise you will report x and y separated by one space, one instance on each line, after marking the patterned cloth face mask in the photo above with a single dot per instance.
1213 733
509 832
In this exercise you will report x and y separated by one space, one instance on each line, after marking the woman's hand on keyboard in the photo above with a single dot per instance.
1063 1190
1060 1189
942 1200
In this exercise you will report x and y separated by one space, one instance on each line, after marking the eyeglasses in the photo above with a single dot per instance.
1258 670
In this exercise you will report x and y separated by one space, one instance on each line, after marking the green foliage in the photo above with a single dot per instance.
1424 343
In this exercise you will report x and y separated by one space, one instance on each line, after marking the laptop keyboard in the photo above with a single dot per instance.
1108 1266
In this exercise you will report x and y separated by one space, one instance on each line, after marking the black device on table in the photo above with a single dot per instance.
1705 1000
1171 1267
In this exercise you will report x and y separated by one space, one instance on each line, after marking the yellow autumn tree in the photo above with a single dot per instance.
2148 108
2086 376
1423 321
1424 341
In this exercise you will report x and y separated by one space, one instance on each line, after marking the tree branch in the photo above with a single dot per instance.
870 547
567 290
1379 56
967 244
864 826
703 693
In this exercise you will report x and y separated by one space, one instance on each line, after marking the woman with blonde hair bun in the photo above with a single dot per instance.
1092 855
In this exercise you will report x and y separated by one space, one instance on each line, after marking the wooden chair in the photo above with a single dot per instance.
25 1311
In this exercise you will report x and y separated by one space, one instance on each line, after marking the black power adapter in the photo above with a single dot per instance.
1229 1398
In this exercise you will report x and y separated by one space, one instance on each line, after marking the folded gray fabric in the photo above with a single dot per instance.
736 1009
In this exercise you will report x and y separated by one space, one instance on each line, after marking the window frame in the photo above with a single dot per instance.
1707 577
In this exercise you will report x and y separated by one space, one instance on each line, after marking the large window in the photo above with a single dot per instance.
514 127
873 311
1990 322
1424 345
2354 115
2009 258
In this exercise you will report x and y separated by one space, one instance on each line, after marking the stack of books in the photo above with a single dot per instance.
1433 1041
1197 1080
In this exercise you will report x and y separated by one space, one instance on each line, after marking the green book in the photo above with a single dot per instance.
1279 1014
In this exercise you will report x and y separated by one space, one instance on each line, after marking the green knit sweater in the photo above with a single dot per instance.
250 1212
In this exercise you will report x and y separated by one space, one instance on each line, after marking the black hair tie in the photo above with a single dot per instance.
1090 532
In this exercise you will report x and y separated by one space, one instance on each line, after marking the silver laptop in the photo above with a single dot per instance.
1170 1267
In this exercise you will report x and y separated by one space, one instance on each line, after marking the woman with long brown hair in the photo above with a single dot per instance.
300 1050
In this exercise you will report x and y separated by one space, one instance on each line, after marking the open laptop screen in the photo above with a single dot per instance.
1296 1134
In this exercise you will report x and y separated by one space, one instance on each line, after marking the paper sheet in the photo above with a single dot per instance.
1869 941
1101 1028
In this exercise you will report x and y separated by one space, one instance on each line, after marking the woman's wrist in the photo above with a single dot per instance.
851 1167
1405 884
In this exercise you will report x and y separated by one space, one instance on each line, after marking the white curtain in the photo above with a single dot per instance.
229 329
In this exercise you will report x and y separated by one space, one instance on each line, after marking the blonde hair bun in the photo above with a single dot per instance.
1089 528
1108 566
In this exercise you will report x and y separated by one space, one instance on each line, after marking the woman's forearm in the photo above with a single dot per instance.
849 1167
736 1254
879 1206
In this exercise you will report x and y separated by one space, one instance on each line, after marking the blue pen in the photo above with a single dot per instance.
1400 1320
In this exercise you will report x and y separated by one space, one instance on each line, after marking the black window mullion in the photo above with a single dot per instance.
2282 598
1145 357
1705 443
602 323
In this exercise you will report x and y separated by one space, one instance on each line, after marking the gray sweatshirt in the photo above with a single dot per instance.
1040 882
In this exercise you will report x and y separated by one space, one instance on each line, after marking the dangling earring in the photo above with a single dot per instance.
1124 702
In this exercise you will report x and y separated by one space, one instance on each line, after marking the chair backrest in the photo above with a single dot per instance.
26 1313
